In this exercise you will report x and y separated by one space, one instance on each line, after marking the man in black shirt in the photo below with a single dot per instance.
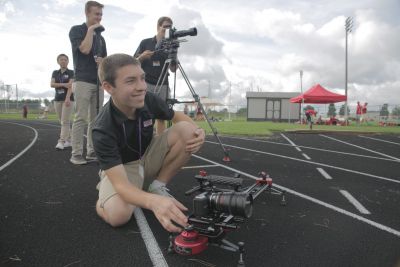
129 154
61 80
153 61
88 50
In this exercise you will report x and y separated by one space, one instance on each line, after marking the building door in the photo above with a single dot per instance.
273 109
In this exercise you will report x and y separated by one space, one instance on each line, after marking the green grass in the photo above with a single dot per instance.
240 126
31 116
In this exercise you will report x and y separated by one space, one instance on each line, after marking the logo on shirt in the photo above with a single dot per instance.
147 123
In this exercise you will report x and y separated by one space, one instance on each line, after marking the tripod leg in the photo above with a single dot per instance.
197 99
162 77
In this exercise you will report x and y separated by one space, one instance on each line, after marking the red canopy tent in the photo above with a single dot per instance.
318 95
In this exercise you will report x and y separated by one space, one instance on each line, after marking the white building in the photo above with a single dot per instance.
272 106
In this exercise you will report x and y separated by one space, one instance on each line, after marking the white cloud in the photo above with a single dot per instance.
254 45
6 9
9 7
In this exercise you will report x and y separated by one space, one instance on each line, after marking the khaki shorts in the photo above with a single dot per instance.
152 162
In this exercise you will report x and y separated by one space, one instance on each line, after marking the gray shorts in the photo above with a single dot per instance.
152 162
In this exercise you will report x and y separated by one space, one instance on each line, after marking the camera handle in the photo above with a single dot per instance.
172 59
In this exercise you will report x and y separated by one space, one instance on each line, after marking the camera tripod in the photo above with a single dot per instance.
172 61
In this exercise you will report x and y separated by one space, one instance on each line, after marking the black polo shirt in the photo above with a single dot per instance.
116 138
62 77
153 65
85 65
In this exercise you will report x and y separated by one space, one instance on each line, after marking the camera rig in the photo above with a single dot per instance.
219 210
169 45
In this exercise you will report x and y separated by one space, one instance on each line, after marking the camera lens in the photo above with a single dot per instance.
235 203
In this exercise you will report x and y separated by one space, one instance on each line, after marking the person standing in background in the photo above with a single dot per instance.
88 50
152 62
358 112
364 113
62 80
25 111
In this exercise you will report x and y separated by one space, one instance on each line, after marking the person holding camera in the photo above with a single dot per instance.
153 61
61 81
130 156
88 49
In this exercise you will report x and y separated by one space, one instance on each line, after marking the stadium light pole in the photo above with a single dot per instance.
348 28
302 99
230 95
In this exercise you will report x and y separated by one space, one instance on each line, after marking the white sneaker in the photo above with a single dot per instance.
78 160
60 146
67 144
159 188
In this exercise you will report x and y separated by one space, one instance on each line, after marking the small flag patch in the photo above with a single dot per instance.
147 123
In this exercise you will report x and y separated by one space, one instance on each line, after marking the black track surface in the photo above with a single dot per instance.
47 215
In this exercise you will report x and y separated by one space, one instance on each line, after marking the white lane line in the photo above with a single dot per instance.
312 162
154 250
306 156
355 202
381 140
324 173
319 202
370 150
8 163
291 142
155 253
313 148
58 126
199 167
46 124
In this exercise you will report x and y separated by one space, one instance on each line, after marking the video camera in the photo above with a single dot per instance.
170 43
219 208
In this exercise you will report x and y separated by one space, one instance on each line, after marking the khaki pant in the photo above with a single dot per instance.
161 91
85 113
64 116
152 162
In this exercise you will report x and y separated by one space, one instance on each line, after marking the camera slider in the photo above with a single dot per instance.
218 211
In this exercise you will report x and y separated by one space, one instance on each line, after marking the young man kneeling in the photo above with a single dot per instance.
130 156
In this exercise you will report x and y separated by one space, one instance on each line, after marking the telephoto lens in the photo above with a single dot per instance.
235 203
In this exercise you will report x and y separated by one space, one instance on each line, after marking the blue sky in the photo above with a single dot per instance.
254 45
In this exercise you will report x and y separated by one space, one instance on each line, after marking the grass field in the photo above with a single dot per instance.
242 127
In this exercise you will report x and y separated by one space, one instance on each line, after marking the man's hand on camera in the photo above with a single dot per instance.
145 55
168 209
194 144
